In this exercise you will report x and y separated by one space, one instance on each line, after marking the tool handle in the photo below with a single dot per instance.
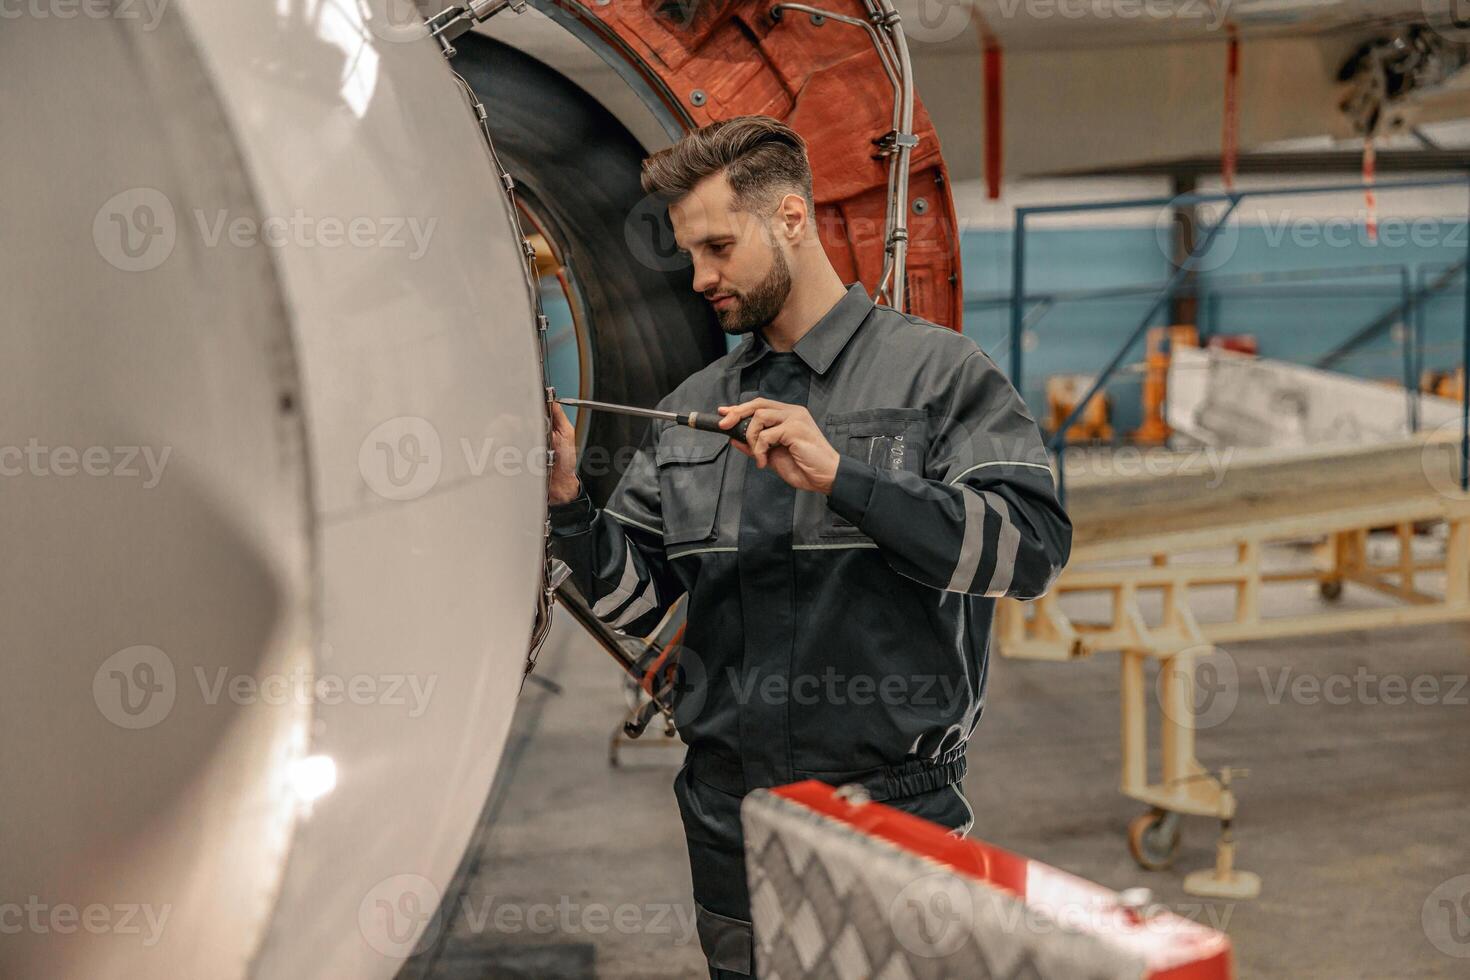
710 422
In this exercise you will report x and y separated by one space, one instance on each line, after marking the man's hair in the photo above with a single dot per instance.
762 158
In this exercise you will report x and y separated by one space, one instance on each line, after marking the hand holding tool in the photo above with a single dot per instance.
705 421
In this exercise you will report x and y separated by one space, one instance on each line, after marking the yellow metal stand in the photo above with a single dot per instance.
1113 570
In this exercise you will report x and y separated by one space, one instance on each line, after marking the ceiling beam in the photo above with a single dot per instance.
1316 162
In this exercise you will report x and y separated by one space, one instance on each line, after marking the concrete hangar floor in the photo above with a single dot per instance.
1353 813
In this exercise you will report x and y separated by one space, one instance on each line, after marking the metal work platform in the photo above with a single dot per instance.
1145 545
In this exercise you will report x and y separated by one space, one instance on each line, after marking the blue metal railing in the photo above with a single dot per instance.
1210 292
1232 200
1432 280
1274 284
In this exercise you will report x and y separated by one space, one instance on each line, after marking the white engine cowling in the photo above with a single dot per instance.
270 488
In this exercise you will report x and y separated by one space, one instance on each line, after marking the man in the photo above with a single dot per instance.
842 567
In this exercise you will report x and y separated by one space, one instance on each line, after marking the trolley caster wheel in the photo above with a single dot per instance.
1330 589
1153 839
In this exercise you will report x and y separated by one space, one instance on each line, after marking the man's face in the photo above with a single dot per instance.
739 265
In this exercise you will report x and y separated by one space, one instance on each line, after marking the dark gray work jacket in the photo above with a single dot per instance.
841 637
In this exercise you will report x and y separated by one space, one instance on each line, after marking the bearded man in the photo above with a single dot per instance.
842 564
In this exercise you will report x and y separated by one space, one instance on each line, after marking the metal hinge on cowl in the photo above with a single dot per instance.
455 20
444 27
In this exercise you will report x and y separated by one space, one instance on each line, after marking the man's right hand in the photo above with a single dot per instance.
564 487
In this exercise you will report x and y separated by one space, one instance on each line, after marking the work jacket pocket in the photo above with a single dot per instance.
885 439
691 466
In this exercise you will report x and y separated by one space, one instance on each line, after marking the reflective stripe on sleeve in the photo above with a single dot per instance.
642 603
1007 544
973 544
610 603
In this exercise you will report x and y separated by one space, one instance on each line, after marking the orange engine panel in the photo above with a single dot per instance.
714 59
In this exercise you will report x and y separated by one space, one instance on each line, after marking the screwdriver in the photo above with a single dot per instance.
705 421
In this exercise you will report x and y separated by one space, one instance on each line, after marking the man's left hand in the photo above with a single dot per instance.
787 439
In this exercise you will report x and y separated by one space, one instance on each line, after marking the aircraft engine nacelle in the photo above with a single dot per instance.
272 495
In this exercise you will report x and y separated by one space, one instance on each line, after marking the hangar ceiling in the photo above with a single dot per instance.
1094 85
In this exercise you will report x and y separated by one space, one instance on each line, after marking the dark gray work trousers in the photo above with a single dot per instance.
717 862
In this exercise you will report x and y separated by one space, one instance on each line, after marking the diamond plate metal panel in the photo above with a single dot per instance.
828 901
